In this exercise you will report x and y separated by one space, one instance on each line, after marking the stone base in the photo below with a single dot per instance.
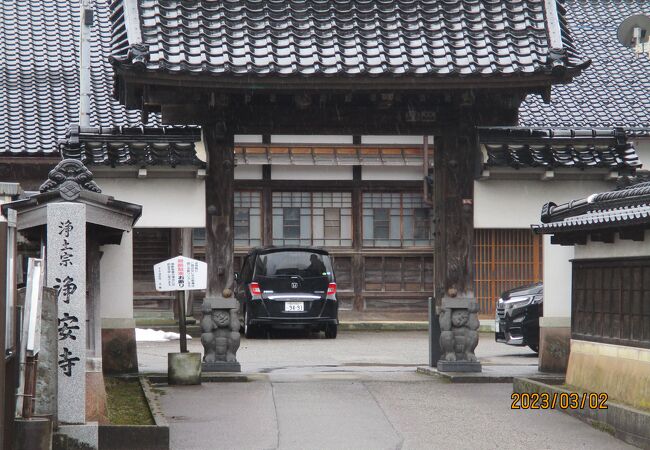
119 351
35 433
458 366
220 302
76 437
184 368
622 372
554 345
221 366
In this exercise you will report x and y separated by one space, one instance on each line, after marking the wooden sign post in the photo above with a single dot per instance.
181 274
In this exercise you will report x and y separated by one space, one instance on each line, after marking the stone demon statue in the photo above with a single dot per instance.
459 333
220 333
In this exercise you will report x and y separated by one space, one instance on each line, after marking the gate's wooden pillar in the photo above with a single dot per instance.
220 321
219 199
454 167
455 159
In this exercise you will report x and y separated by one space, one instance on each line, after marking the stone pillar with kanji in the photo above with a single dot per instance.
66 273
73 218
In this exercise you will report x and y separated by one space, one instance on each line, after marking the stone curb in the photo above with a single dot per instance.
469 377
624 422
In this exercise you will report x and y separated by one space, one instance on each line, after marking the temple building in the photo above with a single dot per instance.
367 198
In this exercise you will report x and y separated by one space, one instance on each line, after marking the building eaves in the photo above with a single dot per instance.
141 147
625 207
578 148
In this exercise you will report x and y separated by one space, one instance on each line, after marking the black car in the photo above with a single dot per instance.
518 313
287 287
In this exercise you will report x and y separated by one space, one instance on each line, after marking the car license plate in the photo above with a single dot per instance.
496 326
294 306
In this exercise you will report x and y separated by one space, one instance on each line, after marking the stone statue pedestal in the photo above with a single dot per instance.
458 366
220 333
221 366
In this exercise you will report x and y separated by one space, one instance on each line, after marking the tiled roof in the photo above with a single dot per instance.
520 147
614 90
443 38
133 146
621 208
39 75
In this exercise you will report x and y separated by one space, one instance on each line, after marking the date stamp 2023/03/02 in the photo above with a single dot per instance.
562 400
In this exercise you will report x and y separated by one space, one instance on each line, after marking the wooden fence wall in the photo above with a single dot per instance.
504 259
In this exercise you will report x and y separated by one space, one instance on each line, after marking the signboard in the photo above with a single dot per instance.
180 274
33 299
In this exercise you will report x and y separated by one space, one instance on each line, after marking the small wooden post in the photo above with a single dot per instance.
30 386
182 328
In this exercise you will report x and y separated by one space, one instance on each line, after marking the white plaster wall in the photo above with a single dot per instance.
518 203
392 173
248 172
116 279
166 202
557 279
310 139
624 248
248 138
394 140
333 173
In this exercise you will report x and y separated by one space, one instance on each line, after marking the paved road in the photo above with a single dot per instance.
289 351
358 392
357 411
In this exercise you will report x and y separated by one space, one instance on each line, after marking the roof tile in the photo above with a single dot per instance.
445 38
614 90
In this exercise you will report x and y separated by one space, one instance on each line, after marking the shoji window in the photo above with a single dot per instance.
312 218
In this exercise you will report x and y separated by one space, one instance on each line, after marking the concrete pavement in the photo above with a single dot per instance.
408 411
359 391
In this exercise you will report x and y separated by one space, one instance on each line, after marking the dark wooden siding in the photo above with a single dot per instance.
611 301
150 246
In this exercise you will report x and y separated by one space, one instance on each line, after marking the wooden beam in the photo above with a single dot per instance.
267 205
328 186
383 113
357 241
532 83
605 236
634 233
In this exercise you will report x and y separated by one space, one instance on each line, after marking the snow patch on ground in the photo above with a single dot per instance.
151 335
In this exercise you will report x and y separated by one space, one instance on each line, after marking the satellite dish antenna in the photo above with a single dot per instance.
632 29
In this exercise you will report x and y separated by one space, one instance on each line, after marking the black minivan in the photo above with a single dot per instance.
517 316
287 287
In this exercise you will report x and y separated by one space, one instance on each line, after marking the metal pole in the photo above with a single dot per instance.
434 334
181 321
